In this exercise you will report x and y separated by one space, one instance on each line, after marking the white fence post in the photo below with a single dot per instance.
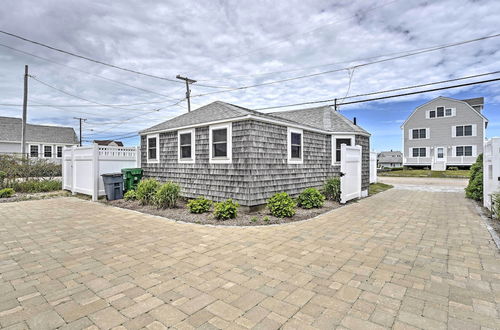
95 172
491 170
373 166
138 156
73 171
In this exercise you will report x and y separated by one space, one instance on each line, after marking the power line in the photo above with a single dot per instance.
100 62
354 66
383 97
89 73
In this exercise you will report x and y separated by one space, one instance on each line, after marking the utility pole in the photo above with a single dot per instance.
80 120
25 113
335 104
188 91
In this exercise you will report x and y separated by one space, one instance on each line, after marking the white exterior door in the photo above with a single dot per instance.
439 159
350 167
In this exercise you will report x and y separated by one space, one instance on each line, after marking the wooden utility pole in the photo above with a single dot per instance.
80 120
25 113
188 91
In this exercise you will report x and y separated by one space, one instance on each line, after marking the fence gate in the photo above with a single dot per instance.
350 166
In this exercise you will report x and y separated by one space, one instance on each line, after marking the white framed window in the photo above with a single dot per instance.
34 150
418 152
59 151
419 133
47 151
440 112
153 148
186 145
221 144
464 130
295 145
465 151
337 142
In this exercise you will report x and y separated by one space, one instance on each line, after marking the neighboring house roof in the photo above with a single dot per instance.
108 142
10 131
475 101
468 102
390 157
322 118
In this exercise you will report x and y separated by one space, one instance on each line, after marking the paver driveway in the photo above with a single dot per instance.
399 259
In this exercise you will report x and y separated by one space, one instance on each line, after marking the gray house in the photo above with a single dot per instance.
390 159
444 132
225 151
42 141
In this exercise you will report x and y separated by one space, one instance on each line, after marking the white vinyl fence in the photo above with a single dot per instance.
82 167
491 170
350 167
373 167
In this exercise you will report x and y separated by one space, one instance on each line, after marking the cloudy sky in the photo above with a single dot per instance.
227 44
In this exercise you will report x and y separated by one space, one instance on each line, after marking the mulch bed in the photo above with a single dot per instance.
181 213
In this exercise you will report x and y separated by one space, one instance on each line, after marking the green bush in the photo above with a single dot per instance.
281 205
6 192
452 168
199 205
226 210
14 168
166 196
474 189
130 195
495 205
146 190
331 189
310 198
36 186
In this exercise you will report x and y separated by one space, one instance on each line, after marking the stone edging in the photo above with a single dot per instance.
487 223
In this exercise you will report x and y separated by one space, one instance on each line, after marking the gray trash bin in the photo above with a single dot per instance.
113 185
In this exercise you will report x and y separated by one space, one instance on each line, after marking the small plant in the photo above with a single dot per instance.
199 205
226 210
281 205
495 205
130 195
146 190
310 198
36 186
453 168
265 219
6 192
474 189
254 219
332 189
167 194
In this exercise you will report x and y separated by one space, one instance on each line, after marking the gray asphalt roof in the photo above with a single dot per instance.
475 101
10 130
319 118
390 157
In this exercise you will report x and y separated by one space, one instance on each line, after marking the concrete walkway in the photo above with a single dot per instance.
403 258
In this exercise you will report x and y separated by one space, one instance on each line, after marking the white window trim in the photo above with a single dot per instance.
51 151
291 160
454 131
157 137
229 158
427 133
192 159
38 148
334 146
428 112
57 146
474 150
427 152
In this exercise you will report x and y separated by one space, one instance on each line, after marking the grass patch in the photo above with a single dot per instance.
375 188
428 173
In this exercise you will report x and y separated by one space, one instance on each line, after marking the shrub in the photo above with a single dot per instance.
474 189
6 192
199 205
453 168
281 205
36 186
167 194
14 168
495 205
310 198
130 195
332 189
226 210
146 190
266 219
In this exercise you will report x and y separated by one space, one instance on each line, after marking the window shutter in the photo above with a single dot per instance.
427 133
410 135
474 150
427 152
474 130
453 111
427 114
453 131
411 152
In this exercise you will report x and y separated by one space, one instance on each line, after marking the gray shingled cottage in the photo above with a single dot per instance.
225 151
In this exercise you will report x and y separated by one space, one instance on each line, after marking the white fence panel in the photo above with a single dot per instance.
491 170
350 166
373 167
83 166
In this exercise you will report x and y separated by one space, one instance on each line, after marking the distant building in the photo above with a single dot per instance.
444 132
390 159
109 143
42 141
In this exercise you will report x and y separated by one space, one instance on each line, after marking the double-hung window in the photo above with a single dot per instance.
295 145
419 133
47 151
464 151
419 152
186 150
432 114
34 151
153 148
463 130
59 151
440 112
337 142
220 140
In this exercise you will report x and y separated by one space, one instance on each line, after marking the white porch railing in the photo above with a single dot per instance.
82 167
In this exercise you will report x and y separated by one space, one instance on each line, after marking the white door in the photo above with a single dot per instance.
350 167
439 159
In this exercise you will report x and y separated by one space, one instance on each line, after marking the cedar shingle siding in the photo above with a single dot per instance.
364 142
259 167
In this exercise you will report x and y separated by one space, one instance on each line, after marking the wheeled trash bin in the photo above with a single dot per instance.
131 177
113 185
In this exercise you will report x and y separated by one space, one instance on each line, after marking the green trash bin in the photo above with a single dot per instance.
131 177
